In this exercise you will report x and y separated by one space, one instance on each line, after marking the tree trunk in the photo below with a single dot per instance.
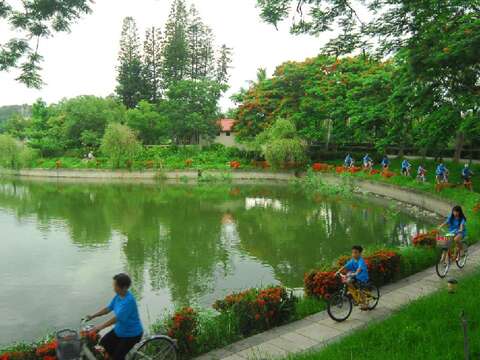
460 141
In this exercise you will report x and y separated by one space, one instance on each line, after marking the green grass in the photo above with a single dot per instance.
429 328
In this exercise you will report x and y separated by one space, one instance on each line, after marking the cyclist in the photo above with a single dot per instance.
357 271
348 162
406 167
128 329
457 225
441 173
421 173
385 162
467 177
367 162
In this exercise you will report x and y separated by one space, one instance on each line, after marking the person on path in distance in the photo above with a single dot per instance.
128 329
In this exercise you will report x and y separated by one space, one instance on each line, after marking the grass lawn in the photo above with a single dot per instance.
429 328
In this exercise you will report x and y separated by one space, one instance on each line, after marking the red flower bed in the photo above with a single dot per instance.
383 268
234 164
321 167
354 169
387 173
46 350
427 239
374 172
259 309
183 327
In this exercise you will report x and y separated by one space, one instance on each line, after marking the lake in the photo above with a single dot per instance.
61 243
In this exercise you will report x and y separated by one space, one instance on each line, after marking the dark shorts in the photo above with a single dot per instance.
117 347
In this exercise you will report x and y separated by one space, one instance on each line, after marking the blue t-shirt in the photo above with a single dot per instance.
348 160
440 169
454 225
126 311
353 265
466 172
405 164
367 159
385 162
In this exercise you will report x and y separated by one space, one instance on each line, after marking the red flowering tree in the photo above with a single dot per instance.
183 327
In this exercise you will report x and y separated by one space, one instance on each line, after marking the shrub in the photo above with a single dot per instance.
427 239
183 327
321 167
320 284
119 143
234 164
259 309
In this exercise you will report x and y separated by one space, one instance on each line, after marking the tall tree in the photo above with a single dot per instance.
224 64
130 70
175 49
31 21
152 63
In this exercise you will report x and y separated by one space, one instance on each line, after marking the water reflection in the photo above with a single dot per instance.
181 244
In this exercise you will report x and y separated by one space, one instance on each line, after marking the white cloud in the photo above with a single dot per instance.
83 61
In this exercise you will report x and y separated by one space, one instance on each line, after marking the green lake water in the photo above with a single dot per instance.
61 243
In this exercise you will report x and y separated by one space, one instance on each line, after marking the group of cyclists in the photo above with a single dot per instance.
441 172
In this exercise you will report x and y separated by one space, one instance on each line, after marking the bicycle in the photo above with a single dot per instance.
73 345
448 255
340 304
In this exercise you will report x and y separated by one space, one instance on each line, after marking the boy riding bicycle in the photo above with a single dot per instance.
357 272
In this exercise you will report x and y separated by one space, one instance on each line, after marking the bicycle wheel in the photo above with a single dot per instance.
462 260
156 348
372 294
442 267
339 307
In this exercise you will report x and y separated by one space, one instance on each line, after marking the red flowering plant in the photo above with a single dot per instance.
183 327
47 350
259 309
426 239
387 174
374 172
321 284
234 164
383 268
321 167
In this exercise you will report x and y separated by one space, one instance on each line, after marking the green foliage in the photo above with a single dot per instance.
281 145
130 79
152 127
31 21
192 110
13 154
119 143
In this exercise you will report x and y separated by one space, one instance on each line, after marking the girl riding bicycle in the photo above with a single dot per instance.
457 227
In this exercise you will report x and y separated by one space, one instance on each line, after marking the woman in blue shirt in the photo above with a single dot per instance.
457 226
128 329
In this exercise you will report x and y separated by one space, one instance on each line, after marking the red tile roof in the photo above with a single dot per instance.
226 124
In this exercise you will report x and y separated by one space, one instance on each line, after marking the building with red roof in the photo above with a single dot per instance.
226 132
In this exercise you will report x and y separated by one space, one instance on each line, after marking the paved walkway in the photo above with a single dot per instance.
317 331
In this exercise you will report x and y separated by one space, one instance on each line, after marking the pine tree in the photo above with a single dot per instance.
200 40
223 64
175 49
130 86
152 60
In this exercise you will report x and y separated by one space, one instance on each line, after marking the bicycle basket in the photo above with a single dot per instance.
69 346
444 241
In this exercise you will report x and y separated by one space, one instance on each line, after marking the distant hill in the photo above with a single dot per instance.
7 111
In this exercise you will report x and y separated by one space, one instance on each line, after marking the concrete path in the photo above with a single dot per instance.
317 331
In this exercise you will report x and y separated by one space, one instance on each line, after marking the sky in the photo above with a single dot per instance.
83 61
